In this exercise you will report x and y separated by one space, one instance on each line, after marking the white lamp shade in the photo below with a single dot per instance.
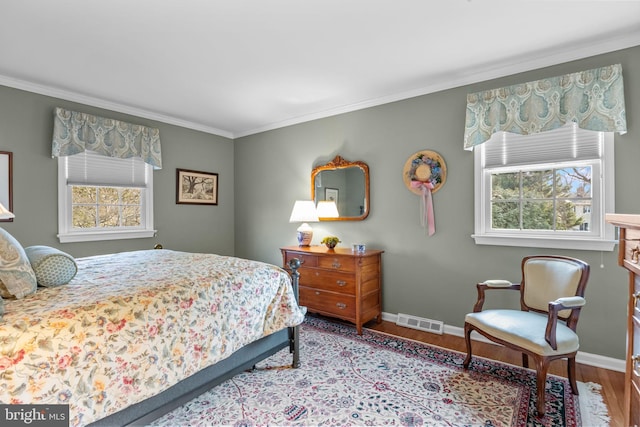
5 213
327 209
304 211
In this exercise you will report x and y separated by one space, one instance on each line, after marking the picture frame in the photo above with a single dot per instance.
6 182
196 187
331 194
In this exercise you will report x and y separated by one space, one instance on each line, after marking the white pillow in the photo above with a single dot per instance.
17 278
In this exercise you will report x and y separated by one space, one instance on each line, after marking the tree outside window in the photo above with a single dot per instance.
104 207
547 199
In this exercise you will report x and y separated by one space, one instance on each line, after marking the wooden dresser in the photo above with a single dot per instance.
628 257
338 282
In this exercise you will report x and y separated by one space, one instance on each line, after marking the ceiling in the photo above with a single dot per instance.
238 67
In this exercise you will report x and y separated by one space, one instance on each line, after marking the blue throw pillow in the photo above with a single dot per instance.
52 267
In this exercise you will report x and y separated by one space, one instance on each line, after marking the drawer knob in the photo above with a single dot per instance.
341 283
336 264
635 359
341 305
317 293
635 297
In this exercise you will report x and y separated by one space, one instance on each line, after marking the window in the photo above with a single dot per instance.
548 190
104 198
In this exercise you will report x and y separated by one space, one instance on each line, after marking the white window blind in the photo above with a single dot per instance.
568 143
90 168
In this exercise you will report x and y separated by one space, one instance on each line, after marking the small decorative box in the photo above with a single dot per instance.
358 247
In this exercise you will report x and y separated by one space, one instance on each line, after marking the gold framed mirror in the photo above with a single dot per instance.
345 183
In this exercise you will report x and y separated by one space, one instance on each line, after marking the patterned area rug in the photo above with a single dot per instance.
376 379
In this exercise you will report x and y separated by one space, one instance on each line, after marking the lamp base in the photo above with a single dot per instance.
305 235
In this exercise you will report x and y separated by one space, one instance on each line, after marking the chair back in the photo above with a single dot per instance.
546 278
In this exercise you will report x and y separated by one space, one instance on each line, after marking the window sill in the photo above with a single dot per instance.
105 235
541 242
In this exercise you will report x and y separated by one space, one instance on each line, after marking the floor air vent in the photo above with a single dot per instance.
420 323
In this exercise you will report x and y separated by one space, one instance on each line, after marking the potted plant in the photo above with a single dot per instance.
330 241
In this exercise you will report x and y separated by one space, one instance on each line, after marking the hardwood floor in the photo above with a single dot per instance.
612 382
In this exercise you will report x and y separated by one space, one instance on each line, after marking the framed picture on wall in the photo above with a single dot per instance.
331 194
196 187
6 182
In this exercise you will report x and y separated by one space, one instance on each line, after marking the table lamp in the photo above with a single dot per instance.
304 211
5 213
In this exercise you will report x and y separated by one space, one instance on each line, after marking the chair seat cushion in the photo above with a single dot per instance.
525 329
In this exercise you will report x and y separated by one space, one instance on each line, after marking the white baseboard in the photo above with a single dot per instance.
590 359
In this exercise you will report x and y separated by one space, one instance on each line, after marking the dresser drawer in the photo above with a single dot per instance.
307 260
632 251
335 281
634 416
631 245
635 296
331 303
340 263
635 353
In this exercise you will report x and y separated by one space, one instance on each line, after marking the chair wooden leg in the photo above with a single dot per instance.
467 340
542 366
571 371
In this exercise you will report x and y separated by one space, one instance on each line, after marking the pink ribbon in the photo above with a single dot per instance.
426 211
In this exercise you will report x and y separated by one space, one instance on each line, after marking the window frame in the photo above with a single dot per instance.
66 232
602 238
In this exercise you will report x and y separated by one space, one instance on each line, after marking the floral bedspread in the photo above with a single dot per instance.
131 324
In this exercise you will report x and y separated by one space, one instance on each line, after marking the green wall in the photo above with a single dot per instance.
431 277
260 177
26 125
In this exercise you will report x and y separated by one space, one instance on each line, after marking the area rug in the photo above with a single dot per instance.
377 379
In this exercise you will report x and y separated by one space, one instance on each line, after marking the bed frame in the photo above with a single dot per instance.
144 412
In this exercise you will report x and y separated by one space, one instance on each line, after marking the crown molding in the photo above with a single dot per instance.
475 75
108 105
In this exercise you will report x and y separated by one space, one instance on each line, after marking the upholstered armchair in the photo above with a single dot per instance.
551 296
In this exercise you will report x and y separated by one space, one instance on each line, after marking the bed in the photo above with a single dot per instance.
135 334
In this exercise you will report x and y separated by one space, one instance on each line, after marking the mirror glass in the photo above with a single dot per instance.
346 183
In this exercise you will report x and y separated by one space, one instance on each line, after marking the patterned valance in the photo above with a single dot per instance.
75 132
594 99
